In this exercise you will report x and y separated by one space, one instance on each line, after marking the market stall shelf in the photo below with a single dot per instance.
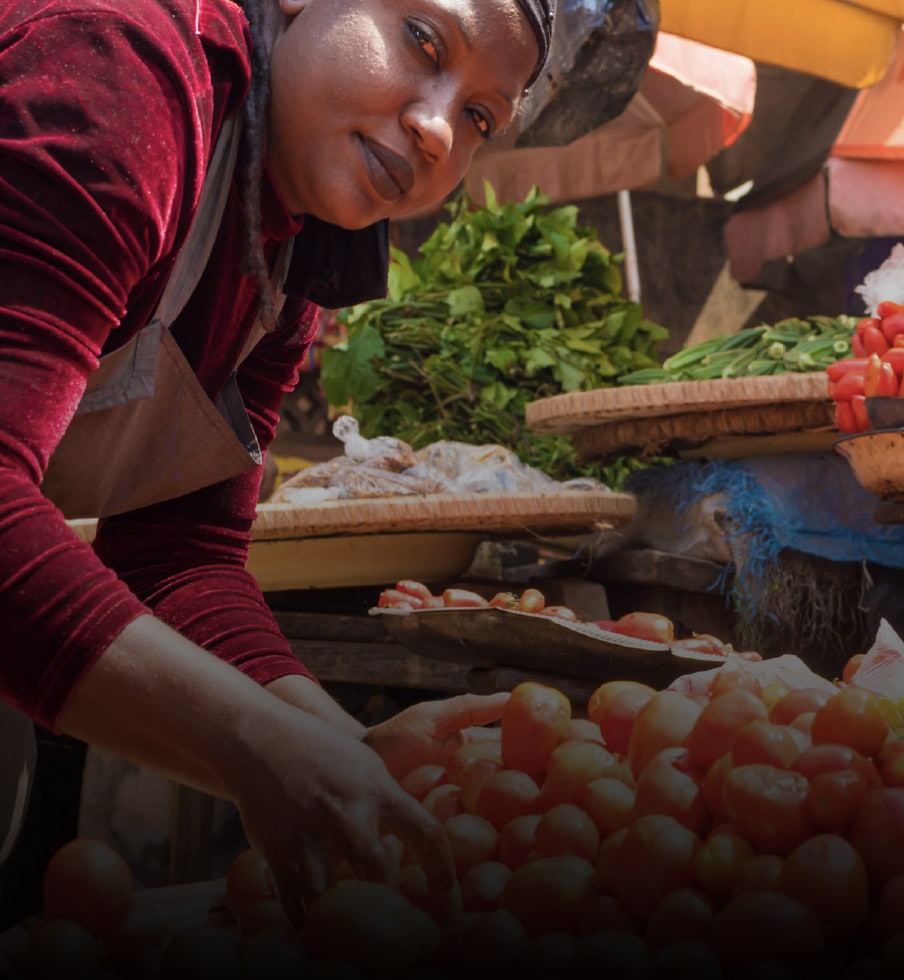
720 417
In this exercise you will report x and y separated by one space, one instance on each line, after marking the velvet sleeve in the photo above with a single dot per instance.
106 116
186 557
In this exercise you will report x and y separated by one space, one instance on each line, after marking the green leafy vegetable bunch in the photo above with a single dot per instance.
503 305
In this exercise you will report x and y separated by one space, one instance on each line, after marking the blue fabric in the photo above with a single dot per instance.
808 502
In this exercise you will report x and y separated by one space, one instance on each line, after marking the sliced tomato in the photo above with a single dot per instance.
463 599
559 612
416 589
394 599
504 600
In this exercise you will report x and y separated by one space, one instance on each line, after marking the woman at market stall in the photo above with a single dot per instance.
181 183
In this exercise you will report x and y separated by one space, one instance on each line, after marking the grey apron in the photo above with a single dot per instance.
145 430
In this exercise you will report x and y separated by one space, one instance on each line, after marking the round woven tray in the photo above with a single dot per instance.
582 409
510 513
813 422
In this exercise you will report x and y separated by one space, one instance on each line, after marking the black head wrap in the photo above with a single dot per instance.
540 15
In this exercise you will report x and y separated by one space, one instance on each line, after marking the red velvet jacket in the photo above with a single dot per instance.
108 113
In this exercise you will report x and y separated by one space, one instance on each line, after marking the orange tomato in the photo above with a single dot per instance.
798 701
768 805
506 795
87 882
767 926
466 755
247 881
668 785
567 829
472 839
719 721
482 886
764 741
655 856
762 872
532 601
665 721
614 706
610 803
834 798
852 717
534 721
517 841
827 874
424 778
720 859
878 833
891 763
646 626
571 767
549 894
683 915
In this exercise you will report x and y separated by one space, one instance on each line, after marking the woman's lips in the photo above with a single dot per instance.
390 174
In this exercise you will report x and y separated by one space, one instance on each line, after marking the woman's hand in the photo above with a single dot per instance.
431 731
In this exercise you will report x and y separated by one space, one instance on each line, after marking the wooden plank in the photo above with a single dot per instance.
649 566
320 626
380 664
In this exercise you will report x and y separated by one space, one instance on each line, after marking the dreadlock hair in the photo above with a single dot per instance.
251 159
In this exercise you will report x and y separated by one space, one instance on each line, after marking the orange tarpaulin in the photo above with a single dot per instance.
846 41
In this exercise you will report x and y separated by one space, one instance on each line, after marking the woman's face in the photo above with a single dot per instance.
377 106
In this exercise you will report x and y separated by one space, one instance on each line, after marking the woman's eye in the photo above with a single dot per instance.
425 42
482 122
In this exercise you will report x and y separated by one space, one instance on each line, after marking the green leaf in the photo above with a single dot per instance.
466 300
347 370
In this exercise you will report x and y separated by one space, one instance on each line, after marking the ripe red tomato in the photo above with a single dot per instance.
768 806
567 829
549 894
571 767
463 599
504 600
665 721
891 763
517 841
764 741
472 839
247 881
828 875
482 886
506 795
718 723
852 717
532 601
534 721
614 706
646 626
89 883
799 701
668 785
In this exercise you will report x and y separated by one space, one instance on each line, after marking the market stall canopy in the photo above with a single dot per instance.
847 41
692 102
858 193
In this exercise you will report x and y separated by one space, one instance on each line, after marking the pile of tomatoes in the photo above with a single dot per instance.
876 370
751 830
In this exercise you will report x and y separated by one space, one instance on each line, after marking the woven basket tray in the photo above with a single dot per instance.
582 409
813 422
486 512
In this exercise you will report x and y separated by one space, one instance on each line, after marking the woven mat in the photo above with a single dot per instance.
814 421
490 512
581 409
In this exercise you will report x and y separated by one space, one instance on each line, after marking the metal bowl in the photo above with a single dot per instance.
877 459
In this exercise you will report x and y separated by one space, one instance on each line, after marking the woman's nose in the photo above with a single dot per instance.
431 123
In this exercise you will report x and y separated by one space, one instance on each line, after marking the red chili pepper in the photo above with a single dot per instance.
871 376
867 321
857 345
892 326
887 307
874 341
848 386
888 384
861 419
844 417
895 357
838 369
